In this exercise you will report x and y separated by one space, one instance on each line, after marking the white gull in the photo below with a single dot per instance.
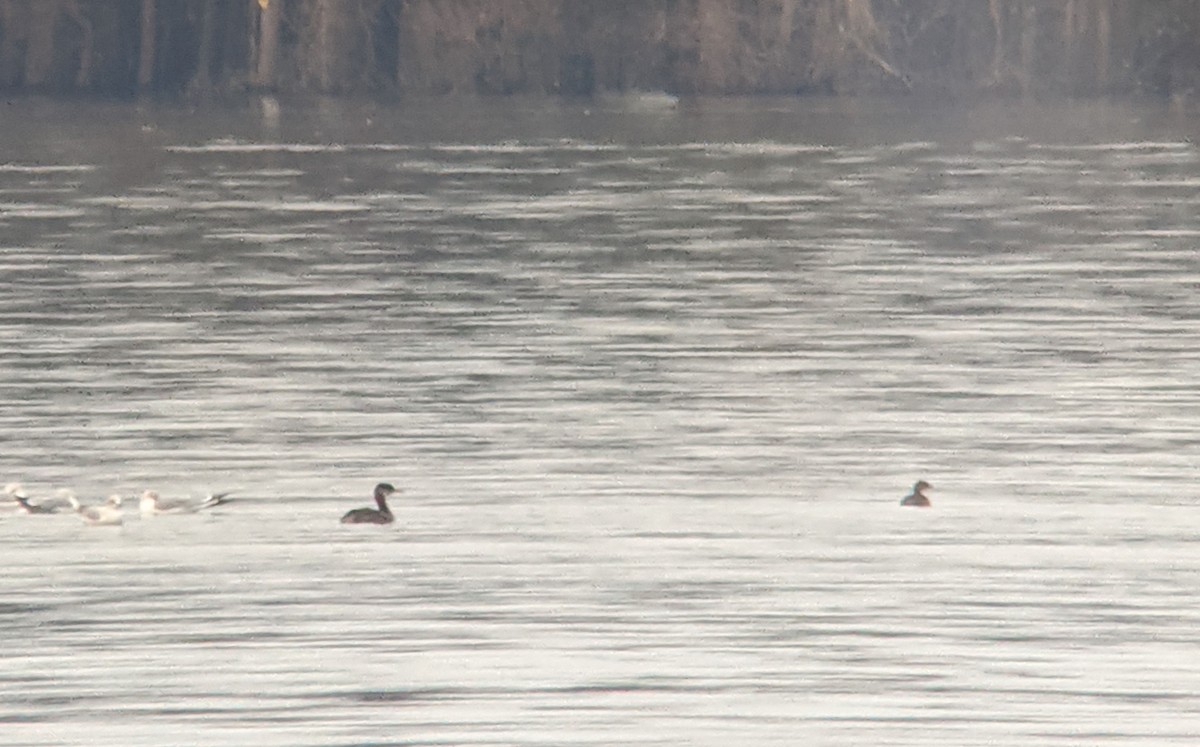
106 514
151 504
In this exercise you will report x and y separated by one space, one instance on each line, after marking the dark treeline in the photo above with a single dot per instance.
593 46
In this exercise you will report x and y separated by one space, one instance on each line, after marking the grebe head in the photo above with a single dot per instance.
921 485
385 489
15 490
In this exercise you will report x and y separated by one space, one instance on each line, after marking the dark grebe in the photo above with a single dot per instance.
917 497
382 515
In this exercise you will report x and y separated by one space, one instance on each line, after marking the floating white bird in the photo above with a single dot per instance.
107 514
152 505
18 494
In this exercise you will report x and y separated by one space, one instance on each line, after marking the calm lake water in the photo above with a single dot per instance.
653 380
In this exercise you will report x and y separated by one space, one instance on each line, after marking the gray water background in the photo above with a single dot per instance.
653 380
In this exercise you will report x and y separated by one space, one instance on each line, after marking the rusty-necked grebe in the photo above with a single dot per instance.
917 497
381 515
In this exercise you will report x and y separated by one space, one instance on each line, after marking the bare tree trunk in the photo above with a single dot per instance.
1089 39
336 33
83 74
1103 44
268 42
683 42
325 48
202 80
865 34
787 25
1070 27
998 49
39 54
1028 38
147 51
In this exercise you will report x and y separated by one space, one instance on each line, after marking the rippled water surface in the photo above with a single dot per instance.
653 381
